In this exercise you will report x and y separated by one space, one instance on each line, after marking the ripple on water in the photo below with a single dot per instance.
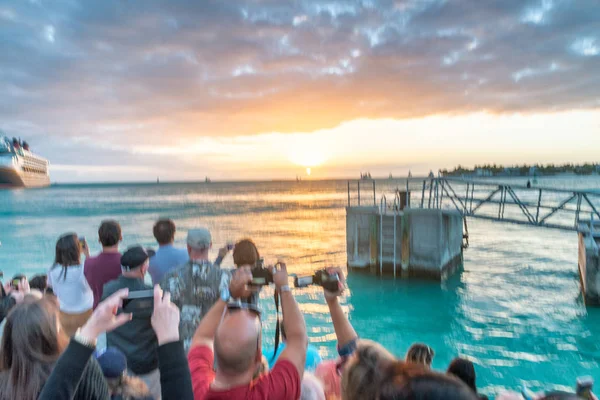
514 310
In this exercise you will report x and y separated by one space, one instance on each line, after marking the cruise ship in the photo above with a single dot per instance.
19 167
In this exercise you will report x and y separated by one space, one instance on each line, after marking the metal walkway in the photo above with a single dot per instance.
564 209
541 207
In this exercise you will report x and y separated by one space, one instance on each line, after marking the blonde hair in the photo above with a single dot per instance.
312 388
128 387
363 372
420 353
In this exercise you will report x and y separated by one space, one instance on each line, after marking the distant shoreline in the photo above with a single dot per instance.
351 179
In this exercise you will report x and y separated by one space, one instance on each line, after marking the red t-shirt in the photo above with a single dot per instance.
281 383
99 270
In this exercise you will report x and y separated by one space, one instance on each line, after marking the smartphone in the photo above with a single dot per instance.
82 241
139 300
230 246
15 283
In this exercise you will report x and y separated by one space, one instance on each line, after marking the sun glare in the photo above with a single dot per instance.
307 153
308 171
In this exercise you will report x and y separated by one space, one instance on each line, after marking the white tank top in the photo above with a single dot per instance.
74 293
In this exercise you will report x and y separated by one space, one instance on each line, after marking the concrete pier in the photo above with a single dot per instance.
424 243
589 262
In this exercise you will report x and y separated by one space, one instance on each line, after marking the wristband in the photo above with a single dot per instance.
285 288
91 343
348 349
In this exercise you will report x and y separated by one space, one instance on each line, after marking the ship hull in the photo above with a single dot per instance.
13 178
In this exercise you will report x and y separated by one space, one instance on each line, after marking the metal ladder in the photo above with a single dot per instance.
385 233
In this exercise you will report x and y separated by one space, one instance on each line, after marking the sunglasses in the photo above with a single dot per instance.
232 307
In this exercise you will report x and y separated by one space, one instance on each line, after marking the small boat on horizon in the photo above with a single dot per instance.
207 180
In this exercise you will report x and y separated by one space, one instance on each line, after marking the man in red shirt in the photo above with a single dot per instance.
106 266
237 347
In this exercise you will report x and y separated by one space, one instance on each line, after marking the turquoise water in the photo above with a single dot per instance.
514 309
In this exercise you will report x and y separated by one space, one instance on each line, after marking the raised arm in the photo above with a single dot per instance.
205 333
221 255
175 378
295 328
344 331
68 370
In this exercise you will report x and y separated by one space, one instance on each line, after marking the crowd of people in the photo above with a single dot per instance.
94 329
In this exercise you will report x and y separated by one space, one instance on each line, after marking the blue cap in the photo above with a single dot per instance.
112 361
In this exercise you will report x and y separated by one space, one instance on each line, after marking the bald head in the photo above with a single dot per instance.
237 343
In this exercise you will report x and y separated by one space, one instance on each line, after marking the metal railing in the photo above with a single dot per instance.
534 206
367 186
542 207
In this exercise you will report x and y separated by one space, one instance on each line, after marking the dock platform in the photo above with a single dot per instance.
589 261
404 242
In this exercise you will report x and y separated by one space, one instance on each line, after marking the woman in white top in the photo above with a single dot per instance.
68 282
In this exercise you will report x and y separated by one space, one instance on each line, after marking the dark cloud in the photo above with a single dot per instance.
115 70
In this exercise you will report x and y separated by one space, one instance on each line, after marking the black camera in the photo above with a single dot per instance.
322 278
261 276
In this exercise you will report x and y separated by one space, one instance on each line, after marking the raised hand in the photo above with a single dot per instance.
341 286
165 318
280 275
238 287
105 318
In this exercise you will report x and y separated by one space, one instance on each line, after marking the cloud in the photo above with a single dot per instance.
586 46
162 72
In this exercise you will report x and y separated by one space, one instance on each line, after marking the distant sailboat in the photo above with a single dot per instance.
207 180
391 177
409 174
157 180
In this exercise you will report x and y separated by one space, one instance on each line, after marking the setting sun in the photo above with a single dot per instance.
307 151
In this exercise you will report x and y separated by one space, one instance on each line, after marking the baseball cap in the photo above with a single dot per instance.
199 238
135 257
112 362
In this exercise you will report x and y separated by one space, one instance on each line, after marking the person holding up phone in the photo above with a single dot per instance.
136 339
11 296
67 279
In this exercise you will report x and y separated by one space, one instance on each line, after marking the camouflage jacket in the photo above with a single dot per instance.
194 288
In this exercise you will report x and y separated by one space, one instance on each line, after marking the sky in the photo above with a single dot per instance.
122 90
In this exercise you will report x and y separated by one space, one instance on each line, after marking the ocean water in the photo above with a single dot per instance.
514 308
